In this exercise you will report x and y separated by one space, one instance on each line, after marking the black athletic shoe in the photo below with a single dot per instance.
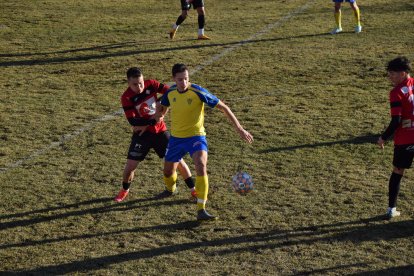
203 215
166 193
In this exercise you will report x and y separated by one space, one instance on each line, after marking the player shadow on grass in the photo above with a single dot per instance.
392 271
366 139
187 225
113 207
108 53
55 208
354 231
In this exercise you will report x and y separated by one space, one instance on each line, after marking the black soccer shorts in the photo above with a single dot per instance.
185 6
403 156
141 145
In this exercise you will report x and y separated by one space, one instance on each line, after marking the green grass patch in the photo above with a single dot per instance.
314 102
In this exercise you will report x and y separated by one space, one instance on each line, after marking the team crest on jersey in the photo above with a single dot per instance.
405 90
189 101
147 108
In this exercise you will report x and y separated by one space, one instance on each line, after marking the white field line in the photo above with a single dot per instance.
64 139
113 115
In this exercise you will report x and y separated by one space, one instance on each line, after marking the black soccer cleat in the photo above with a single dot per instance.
202 215
166 193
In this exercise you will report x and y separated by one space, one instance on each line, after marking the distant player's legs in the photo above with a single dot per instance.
201 22
178 22
338 19
357 15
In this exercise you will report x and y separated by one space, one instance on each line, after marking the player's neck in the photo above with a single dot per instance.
402 80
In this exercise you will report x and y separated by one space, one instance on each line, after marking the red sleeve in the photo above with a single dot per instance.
128 106
159 87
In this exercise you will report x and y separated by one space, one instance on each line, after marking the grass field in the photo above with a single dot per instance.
314 102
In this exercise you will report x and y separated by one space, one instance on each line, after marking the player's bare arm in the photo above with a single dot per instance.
161 111
244 134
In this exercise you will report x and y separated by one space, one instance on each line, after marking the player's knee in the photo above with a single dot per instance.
201 168
168 172
201 11
130 166
399 171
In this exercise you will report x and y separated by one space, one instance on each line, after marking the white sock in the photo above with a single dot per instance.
175 26
392 210
200 31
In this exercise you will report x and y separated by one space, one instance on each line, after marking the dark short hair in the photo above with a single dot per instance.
178 68
399 64
134 72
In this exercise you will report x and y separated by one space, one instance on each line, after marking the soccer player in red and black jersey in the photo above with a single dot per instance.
401 125
140 105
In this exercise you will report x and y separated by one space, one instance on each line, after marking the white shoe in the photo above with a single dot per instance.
392 213
336 31
358 29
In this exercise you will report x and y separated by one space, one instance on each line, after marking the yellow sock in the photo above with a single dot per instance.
170 182
338 19
201 187
357 17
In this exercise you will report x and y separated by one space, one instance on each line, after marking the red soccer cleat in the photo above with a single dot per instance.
121 195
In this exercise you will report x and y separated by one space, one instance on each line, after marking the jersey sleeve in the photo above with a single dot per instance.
205 96
128 107
395 103
164 99
158 87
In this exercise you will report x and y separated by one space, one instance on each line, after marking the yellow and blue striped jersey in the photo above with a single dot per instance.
187 110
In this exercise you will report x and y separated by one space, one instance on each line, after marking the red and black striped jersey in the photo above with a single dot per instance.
139 108
402 104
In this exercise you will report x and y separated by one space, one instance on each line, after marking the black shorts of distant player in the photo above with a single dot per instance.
185 5
403 156
141 145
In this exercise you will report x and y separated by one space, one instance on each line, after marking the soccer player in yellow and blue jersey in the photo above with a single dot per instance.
338 15
187 102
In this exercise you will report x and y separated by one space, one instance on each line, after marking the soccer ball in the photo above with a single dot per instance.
242 183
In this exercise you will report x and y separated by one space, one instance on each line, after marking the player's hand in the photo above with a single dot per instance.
246 136
139 129
158 117
381 143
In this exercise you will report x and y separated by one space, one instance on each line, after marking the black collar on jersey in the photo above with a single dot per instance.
182 91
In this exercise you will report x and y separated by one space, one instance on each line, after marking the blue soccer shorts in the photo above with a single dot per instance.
341 1
178 147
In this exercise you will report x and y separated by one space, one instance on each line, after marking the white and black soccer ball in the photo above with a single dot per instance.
242 183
